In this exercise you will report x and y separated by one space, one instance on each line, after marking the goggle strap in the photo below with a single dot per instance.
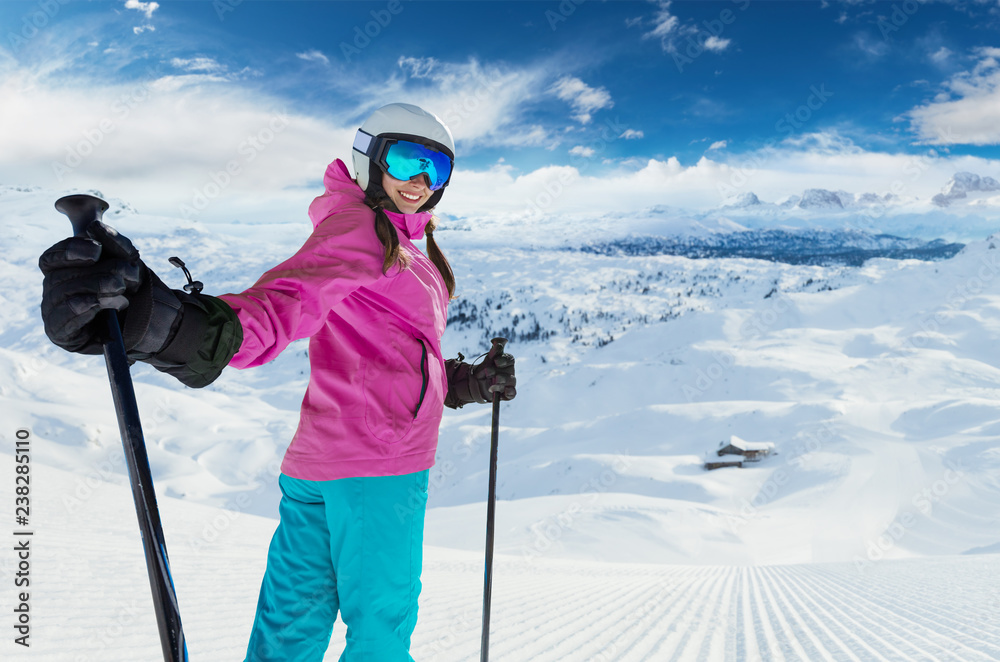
363 142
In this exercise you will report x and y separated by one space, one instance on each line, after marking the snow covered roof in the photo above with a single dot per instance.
745 445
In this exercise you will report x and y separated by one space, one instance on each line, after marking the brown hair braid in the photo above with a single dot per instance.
389 237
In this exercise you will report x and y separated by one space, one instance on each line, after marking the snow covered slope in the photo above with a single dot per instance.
877 385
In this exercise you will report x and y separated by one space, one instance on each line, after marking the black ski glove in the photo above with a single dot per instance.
190 336
84 275
476 382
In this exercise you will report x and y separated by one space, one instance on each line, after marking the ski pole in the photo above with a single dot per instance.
495 350
83 210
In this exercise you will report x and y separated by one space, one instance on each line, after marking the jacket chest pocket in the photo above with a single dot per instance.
395 384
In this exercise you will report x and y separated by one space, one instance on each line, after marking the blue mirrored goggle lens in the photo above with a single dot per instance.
405 160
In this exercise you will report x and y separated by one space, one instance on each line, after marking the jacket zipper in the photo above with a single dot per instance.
424 376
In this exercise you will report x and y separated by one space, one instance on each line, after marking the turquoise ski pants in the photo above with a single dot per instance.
352 545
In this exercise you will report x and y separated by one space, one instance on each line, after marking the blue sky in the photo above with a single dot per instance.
660 101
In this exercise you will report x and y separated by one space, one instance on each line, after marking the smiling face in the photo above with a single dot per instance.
409 196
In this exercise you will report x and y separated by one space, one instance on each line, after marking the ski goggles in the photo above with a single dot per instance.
405 159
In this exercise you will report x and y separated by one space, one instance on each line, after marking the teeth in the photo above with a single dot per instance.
409 196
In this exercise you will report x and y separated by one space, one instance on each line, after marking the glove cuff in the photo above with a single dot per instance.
151 317
463 388
207 335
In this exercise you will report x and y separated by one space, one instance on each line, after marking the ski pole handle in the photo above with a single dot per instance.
82 210
496 349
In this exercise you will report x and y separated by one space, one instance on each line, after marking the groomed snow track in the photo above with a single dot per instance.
90 596
926 609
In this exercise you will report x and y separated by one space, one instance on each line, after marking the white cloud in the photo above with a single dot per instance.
873 48
965 111
198 65
822 142
139 29
180 126
167 84
941 55
580 150
146 8
664 23
632 134
718 144
198 71
419 67
583 98
156 141
675 34
716 44
481 104
313 55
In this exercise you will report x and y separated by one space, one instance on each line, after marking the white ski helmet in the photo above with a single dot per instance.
404 121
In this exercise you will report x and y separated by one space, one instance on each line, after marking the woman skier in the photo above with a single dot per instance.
354 477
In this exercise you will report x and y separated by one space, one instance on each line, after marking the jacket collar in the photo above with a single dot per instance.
338 180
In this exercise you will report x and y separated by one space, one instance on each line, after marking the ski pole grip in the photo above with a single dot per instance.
497 347
495 350
82 210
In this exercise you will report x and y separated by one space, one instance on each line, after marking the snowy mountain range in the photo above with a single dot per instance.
963 183
957 188
639 350
963 210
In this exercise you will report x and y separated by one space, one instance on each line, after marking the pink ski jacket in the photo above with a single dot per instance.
377 381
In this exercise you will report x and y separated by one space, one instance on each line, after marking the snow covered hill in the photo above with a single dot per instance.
877 384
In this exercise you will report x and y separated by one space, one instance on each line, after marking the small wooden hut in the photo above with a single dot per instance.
751 451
